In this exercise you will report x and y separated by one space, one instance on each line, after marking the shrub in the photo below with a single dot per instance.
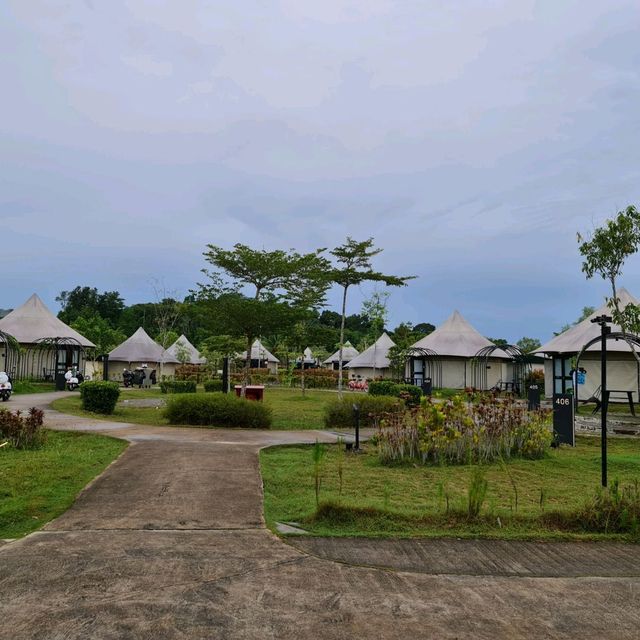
178 386
339 413
217 410
195 372
383 388
612 510
459 432
23 432
213 385
408 392
318 378
99 396
411 394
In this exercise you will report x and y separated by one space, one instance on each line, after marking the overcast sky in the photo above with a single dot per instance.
471 139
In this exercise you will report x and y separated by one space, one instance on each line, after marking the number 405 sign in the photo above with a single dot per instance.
563 419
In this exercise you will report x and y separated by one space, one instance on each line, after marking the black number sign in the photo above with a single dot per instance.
563 423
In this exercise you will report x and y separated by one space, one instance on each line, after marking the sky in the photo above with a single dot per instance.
471 139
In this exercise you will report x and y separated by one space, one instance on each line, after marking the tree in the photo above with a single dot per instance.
100 332
499 342
87 301
605 253
527 345
274 279
375 309
183 355
353 268
424 328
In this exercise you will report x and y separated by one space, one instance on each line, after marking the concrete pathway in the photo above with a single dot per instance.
170 542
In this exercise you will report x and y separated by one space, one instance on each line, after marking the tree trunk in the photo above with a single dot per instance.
344 311
247 367
302 373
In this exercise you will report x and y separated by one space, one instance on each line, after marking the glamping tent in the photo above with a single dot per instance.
622 367
349 352
137 350
261 357
48 346
183 351
308 361
373 362
450 354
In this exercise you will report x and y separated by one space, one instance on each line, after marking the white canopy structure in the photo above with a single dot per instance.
183 346
622 367
261 356
455 343
308 360
372 362
49 347
140 349
349 352
33 321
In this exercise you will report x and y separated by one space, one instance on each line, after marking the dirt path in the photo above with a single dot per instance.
170 542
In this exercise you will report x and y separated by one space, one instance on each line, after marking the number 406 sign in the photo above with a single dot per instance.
563 419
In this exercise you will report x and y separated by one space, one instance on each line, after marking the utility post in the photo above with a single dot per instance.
605 330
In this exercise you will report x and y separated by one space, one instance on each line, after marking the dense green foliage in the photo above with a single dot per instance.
408 392
217 410
178 386
213 385
461 432
339 414
99 396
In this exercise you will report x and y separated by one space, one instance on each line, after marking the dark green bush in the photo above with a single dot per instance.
217 410
213 385
383 388
99 396
22 431
339 413
410 394
178 386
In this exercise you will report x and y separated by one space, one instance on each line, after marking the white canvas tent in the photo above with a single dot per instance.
137 350
349 352
49 346
261 357
455 343
183 346
622 367
373 362
308 360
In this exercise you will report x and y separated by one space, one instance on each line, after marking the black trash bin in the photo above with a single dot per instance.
61 382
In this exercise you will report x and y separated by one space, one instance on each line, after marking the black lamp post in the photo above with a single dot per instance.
605 331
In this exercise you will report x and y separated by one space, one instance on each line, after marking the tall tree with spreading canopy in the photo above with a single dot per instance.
275 281
354 267
605 254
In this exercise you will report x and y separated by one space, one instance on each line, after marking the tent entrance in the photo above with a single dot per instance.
423 364
518 367
9 354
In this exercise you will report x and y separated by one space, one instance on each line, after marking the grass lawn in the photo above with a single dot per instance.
379 500
291 410
23 386
37 486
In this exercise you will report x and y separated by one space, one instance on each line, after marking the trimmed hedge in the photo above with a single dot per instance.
217 410
339 413
178 386
213 385
408 392
99 396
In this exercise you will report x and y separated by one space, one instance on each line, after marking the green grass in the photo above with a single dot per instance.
24 386
291 409
379 500
37 486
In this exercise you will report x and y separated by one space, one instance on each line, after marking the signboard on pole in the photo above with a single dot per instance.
533 396
563 419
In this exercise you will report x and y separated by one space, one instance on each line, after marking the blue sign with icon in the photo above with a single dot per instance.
582 377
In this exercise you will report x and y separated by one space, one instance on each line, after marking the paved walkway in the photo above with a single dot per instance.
170 542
